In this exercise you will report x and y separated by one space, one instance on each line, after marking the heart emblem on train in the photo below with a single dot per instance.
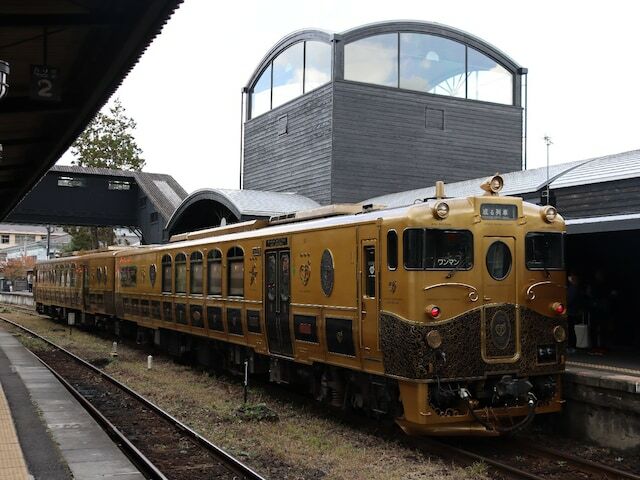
500 329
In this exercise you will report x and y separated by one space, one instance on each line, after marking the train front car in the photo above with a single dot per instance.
473 321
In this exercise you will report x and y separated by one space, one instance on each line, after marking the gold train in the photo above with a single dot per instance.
447 315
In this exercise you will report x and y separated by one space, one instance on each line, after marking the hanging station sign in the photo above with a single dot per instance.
45 83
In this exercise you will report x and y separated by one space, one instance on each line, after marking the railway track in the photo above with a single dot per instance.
514 459
505 459
160 445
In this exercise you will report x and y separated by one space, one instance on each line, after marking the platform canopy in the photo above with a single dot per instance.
66 58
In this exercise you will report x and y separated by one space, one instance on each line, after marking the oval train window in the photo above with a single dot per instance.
498 260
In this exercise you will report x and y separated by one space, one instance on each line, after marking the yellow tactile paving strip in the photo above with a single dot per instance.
12 464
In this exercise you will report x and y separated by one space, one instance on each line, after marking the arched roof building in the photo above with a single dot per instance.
380 108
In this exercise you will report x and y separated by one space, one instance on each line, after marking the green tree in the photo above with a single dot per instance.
108 142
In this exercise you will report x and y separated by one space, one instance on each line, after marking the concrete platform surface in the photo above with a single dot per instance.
59 438
12 464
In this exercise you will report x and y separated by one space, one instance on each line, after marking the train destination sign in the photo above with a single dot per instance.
494 211
277 242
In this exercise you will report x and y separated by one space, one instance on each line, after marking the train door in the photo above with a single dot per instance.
500 331
277 293
498 278
369 290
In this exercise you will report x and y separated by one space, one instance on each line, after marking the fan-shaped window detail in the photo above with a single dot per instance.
432 64
298 69
373 60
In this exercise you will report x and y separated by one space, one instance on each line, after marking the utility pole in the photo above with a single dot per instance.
548 142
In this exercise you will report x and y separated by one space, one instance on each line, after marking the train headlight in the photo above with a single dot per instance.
493 185
441 210
549 214
558 308
559 334
434 339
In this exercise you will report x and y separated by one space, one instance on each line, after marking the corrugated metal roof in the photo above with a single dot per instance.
515 183
264 204
619 166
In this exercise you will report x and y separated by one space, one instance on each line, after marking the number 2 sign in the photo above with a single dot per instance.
45 83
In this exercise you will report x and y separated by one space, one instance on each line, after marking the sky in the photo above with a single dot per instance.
185 95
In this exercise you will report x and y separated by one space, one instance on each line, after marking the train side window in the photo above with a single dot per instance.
392 250
166 274
72 275
235 263
181 273
128 276
214 272
370 272
195 275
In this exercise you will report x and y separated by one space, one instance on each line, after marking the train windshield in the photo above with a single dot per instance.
544 251
429 249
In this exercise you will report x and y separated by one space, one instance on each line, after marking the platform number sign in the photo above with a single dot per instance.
45 83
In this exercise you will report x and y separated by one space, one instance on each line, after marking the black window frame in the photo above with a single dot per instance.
392 250
562 238
234 257
166 278
424 249
179 260
194 259
214 256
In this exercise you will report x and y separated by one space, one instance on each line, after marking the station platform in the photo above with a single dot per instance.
603 398
44 432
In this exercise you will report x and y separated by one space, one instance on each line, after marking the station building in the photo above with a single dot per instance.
339 117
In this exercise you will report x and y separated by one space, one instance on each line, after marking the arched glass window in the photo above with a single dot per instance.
317 69
166 274
261 94
432 64
181 273
487 79
235 263
373 60
298 69
195 275
214 269
288 68
427 63
72 275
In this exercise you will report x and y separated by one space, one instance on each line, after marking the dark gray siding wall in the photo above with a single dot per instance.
599 199
152 231
298 160
382 143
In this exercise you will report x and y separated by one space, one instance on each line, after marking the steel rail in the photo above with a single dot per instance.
234 464
585 463
500 466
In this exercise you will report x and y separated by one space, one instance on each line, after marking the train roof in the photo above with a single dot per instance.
363 216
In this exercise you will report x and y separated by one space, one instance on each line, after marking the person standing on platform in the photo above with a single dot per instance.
30 281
